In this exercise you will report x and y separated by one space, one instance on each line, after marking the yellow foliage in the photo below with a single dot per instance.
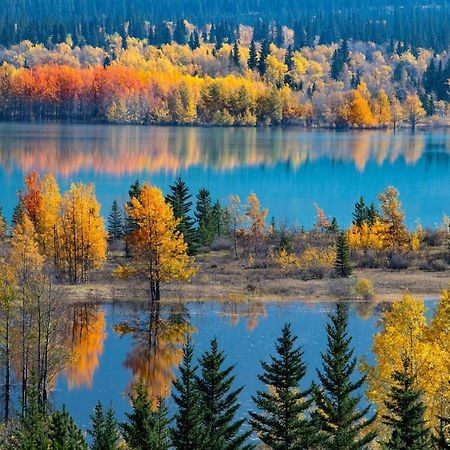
364 288
311 258
366 237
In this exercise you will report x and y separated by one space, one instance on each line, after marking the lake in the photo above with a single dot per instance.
289 169
116 348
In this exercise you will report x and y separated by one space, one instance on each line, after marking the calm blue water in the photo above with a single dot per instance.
245 332
288 169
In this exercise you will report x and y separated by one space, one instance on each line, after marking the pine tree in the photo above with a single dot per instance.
280 424
179 199
262 60
17 214
219 403
187 433
115 222
235 54
342 264
146 428
372 214
442 437
64 433
406 413
203 214
253 57
220 220
342 425
360 215
104 429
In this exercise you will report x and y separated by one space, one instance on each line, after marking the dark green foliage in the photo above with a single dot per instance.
406 413
236 54
146 428
334 227
220 220
194 41
219 403
17 215
135 190
34 425
64 433
179 199
187 434
341 57
342 425
263 54
115 222
442 437
280 422
253 57
342 264
180 33
203 214
360 215
104 429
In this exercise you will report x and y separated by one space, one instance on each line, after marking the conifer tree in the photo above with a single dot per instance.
179 199
187 434
372 214
220 219
253 57
104 429
442 437
360 215
342 264
203 214
17 214
146 428
262 60
219 403
405 415
280 422
236 54
115 222
342 425
64 433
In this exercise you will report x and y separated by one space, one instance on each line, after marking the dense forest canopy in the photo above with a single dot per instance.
418 24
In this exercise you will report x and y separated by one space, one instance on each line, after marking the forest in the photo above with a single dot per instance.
347 85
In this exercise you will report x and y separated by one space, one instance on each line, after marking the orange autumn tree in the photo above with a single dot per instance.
159 250
256 218
82 234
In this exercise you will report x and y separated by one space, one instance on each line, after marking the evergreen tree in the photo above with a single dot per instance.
341 56
280 424
179 199
262 60
442 437
220 219
203 214
115 222
104 429
253 57
360 214
64 433
180 33
194 41
236 54
406 413
372 214
219 403
342 264
187 433
146 428
342 425
17 214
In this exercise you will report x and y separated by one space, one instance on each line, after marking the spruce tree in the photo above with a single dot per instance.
280 422
342 264
219 403
115 222
406 410
64 433
372 214
253 57
179 199
146 428
187 434
235 54
203 214
17 214
360 214
104 429
442 437
262 60
220 220
342 425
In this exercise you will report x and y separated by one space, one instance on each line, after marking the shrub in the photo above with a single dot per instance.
398 261
364 288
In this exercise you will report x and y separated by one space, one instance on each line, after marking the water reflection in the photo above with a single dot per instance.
251 312
69 149
158 334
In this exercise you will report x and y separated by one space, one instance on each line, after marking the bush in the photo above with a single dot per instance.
342 288
398 261
364 288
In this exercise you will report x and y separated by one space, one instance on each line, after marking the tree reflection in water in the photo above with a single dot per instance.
251 312
158 333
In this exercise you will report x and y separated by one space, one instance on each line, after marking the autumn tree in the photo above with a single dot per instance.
280 422
82 233
3 226
342 425
360 113
159 249
257 220
414 110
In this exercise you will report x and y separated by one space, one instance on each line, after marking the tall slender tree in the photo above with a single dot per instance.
280 422
219 403
342 264
203 214
180 200
406 410
64 433
104 429
342 425
115 222
253 56
188 433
